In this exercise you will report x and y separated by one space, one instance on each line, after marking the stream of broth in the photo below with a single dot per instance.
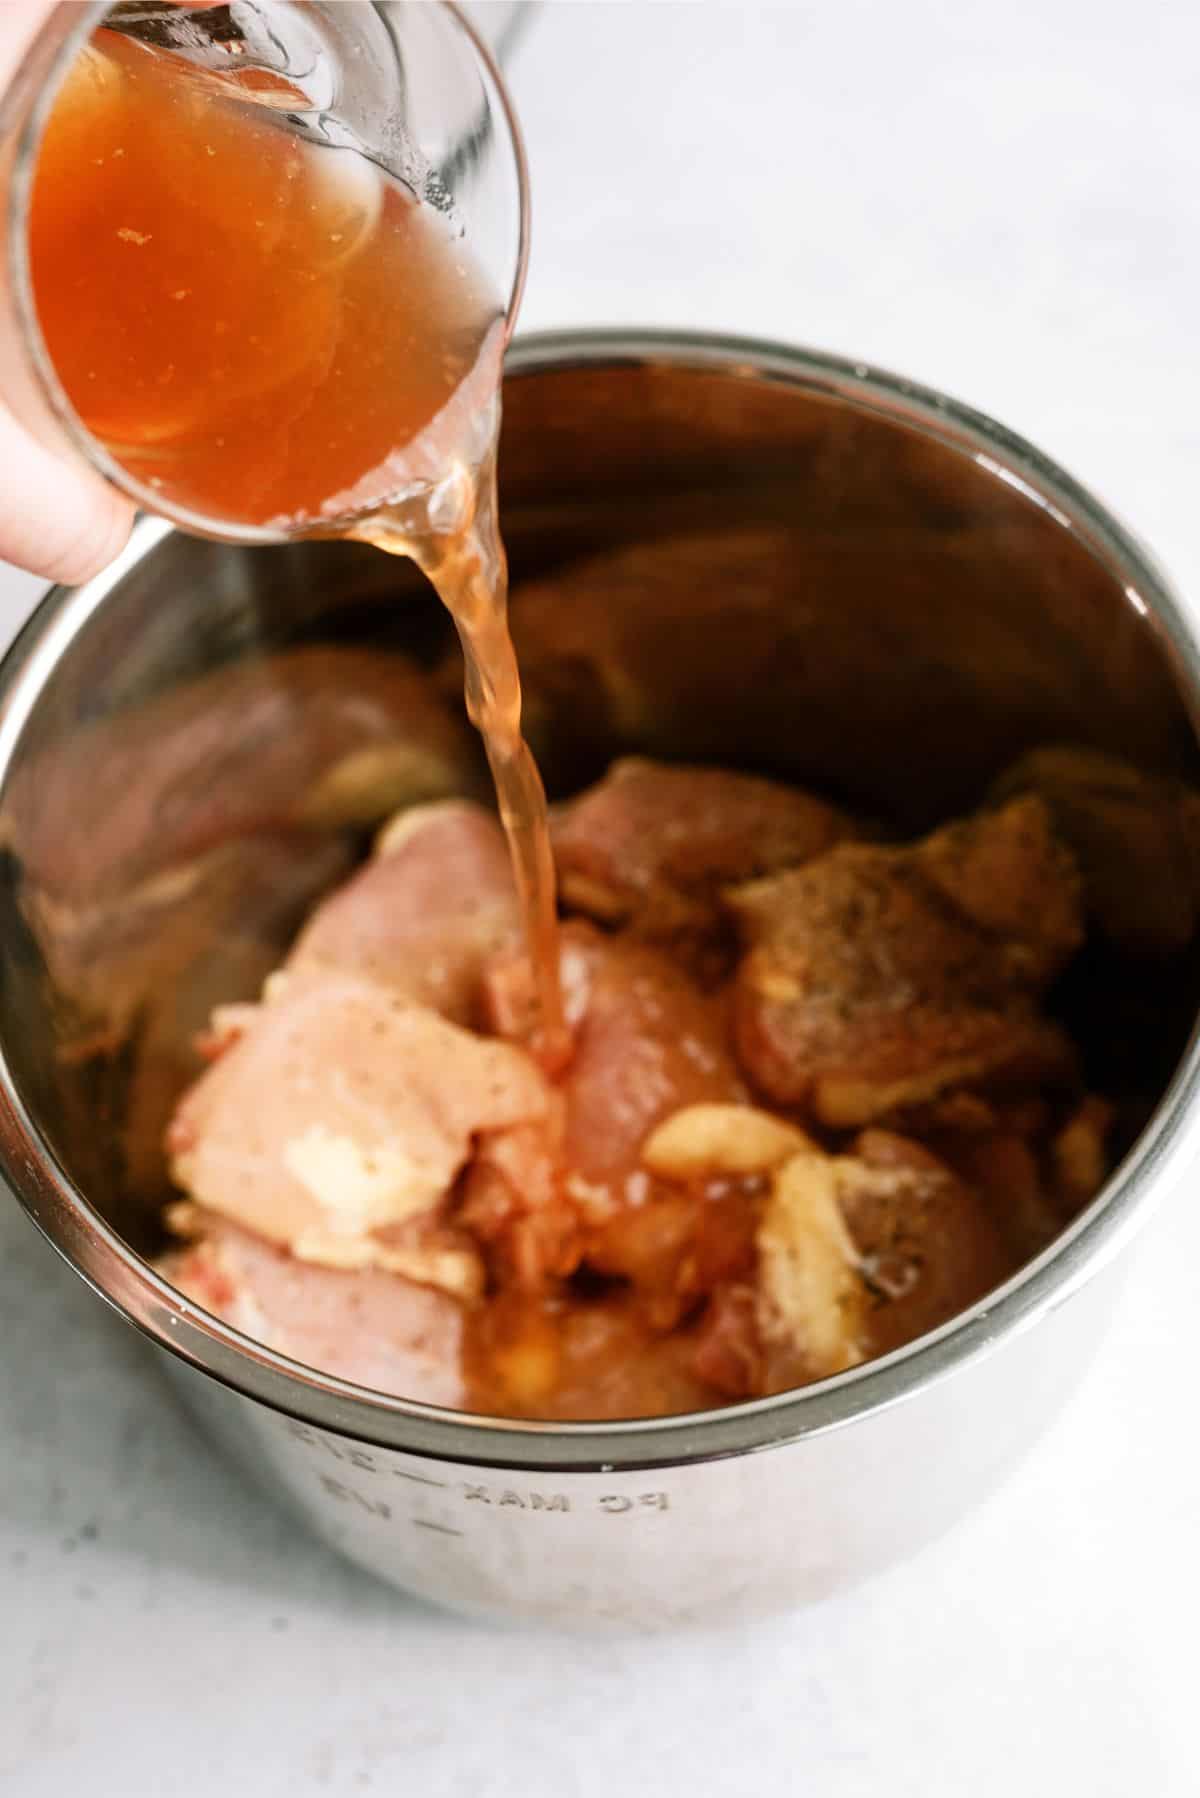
277 336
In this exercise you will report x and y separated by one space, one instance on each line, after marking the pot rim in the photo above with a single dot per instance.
146 1300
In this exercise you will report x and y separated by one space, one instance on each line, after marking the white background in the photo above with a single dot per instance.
1001 200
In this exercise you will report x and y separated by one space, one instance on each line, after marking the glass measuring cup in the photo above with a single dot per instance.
406 87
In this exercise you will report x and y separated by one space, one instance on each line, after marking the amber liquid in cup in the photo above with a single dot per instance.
274 334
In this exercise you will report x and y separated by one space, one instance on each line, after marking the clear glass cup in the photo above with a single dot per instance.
410 85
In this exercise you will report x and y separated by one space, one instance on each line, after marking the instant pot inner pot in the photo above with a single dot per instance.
706 565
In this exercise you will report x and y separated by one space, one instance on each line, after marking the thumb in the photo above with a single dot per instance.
58 517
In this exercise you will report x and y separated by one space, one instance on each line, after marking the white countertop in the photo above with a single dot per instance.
1001 201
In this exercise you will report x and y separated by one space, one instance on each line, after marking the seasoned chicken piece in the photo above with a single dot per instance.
514 1205
1010 877
927 1243
373 1328
1006 1169
652 845
728 1351
319 738
647 1042
1079 1154
1135 836
679 1247
596 1359
1032 1172
877 979
341 1116
425 915
856 1254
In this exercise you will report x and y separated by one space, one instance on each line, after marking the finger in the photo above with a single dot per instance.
18 24
58 518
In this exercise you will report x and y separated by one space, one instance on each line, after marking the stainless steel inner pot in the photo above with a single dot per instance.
778 560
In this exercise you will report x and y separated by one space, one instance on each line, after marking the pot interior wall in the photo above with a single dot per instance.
705 565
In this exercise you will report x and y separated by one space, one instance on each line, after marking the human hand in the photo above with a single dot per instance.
58 517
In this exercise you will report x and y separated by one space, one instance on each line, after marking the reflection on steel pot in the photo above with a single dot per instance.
773 559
